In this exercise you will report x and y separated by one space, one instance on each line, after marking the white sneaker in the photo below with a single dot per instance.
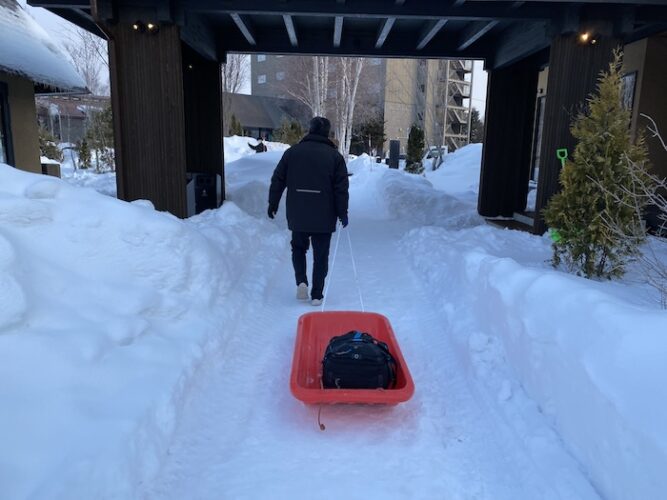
302 291
316 302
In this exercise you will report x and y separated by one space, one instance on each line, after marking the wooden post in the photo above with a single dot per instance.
149 119
202 82
574 69
507 140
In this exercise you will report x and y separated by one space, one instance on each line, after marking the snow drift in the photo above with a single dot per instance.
107 310
591 354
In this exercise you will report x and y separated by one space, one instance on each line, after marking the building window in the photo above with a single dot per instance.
261 57
6 152
628 82
280 75
261 79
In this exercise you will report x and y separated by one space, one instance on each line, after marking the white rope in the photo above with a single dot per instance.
333 265
354 269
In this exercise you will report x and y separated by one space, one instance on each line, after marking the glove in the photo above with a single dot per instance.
272 212
344 221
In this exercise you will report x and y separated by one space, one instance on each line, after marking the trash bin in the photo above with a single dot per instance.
202 193
394 153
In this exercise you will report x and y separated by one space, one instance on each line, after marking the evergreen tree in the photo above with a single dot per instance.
595 207
48 146
289 132
84 153
415 150
235 127
371 134
476 127
99 138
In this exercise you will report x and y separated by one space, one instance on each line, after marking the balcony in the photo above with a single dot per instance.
460 65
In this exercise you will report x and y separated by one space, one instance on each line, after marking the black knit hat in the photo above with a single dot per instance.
320 126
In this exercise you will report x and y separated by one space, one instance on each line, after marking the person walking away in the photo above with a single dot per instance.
315 176
260 147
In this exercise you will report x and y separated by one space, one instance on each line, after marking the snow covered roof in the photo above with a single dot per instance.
27 50
266 112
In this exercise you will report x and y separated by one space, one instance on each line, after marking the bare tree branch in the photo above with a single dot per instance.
89 54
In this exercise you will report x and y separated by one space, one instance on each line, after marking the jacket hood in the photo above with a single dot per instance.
318 138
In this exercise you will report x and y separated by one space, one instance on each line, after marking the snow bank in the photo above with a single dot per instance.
108 308
236 147
593 362
414 197
459 173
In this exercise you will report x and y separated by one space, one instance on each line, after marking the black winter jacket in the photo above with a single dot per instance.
315 176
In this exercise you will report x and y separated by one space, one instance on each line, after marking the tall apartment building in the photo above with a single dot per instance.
434 94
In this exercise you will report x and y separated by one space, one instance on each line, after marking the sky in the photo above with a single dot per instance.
58 27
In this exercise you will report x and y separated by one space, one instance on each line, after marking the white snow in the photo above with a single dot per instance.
27 50
107 310
142 356
235 147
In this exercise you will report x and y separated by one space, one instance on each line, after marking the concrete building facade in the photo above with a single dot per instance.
431 93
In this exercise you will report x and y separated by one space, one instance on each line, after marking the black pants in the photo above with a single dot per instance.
300 245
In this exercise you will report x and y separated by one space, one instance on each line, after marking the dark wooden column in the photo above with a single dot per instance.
149 122
202 83
573 72
508 129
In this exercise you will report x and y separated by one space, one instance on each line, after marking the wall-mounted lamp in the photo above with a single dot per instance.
140 27
587 38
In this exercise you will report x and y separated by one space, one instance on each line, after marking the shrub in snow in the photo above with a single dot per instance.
48 146
100 139
84 153
289 132
413 163
235 127
598 188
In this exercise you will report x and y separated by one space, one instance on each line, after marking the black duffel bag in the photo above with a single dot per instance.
358 361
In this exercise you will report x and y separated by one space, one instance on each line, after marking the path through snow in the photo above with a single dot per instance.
243 435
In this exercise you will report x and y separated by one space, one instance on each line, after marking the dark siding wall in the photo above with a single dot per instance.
573 74
203 114
149 124
507 144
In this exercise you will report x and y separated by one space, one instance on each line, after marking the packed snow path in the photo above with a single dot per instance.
242 434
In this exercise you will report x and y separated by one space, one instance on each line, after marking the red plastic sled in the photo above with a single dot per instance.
313 334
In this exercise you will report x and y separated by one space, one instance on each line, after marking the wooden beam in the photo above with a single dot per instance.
625 24
291 31
244 28
60 4
429 31
399 44
81 18
519 42
149 126
474 32
384 31
414 9
595 2
338 30
198 34
203 101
